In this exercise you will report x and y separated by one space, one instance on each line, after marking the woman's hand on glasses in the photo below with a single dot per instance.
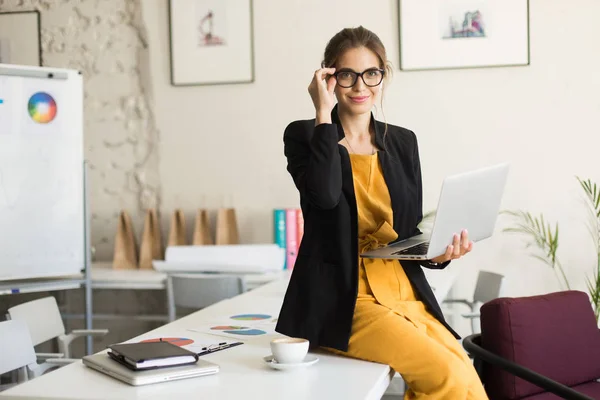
321 92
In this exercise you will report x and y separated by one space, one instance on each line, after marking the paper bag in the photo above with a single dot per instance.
125 254
151 247
202 234
227 229
177 230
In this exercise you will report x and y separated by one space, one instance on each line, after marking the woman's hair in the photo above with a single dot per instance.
351 38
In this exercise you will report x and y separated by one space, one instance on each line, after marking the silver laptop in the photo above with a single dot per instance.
470 201
103 363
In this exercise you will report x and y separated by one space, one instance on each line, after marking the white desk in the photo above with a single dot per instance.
104 277
243 373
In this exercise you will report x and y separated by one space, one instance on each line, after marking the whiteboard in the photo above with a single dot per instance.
42 213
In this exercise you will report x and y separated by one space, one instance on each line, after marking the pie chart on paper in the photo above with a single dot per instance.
250 317
227 327
248 332
238 330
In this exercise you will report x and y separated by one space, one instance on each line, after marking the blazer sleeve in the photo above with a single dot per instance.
313 161
418 177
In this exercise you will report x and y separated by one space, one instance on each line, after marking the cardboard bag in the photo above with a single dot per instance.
177 230
151 247
125 254
202 234
227 229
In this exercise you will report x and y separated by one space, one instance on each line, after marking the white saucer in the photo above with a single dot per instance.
308 360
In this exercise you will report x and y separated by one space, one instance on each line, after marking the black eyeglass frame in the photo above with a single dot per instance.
357 75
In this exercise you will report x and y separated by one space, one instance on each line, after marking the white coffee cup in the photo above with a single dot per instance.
289 350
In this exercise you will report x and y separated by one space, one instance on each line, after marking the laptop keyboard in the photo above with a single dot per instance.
420 249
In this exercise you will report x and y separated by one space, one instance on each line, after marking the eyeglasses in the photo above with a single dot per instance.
371 77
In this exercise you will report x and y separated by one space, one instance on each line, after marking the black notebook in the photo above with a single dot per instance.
148 355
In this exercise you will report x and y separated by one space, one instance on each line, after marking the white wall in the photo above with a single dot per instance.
222 145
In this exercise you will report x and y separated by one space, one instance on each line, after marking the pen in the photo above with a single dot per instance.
221 347
219 344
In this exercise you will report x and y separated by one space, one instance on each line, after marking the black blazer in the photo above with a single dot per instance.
321 296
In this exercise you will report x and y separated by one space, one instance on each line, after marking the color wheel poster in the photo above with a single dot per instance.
41 108
242 326
31 111
29 107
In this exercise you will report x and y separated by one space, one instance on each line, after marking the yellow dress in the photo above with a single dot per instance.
390 325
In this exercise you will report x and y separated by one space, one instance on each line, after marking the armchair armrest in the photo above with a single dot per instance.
64 341
88 332
471 315
61 361
41 357
49 365
465 302
471 345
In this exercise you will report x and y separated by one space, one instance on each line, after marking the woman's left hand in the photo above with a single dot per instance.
460 246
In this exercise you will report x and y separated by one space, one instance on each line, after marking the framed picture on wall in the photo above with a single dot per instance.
20 38
211 42
442 34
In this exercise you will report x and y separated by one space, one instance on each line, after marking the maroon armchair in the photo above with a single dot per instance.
538 347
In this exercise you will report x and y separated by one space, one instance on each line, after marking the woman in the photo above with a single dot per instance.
360 187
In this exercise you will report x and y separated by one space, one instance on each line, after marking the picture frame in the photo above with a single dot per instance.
453 34
21 30
211 42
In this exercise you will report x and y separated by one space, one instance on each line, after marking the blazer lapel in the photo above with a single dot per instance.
347 179
392 181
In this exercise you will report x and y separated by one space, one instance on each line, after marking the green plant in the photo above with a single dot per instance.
592 195
543 235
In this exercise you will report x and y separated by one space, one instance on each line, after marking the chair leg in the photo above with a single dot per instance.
64 346
473 311
170 300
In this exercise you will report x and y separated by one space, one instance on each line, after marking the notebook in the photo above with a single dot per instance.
103 363
146 355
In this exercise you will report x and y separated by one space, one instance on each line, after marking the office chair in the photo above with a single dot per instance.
18 353
44 321
200 290
538 347
487 288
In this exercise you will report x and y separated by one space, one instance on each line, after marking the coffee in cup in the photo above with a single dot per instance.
289 350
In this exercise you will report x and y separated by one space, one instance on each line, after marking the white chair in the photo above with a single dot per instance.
200 290
18 354
44 321
488 287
